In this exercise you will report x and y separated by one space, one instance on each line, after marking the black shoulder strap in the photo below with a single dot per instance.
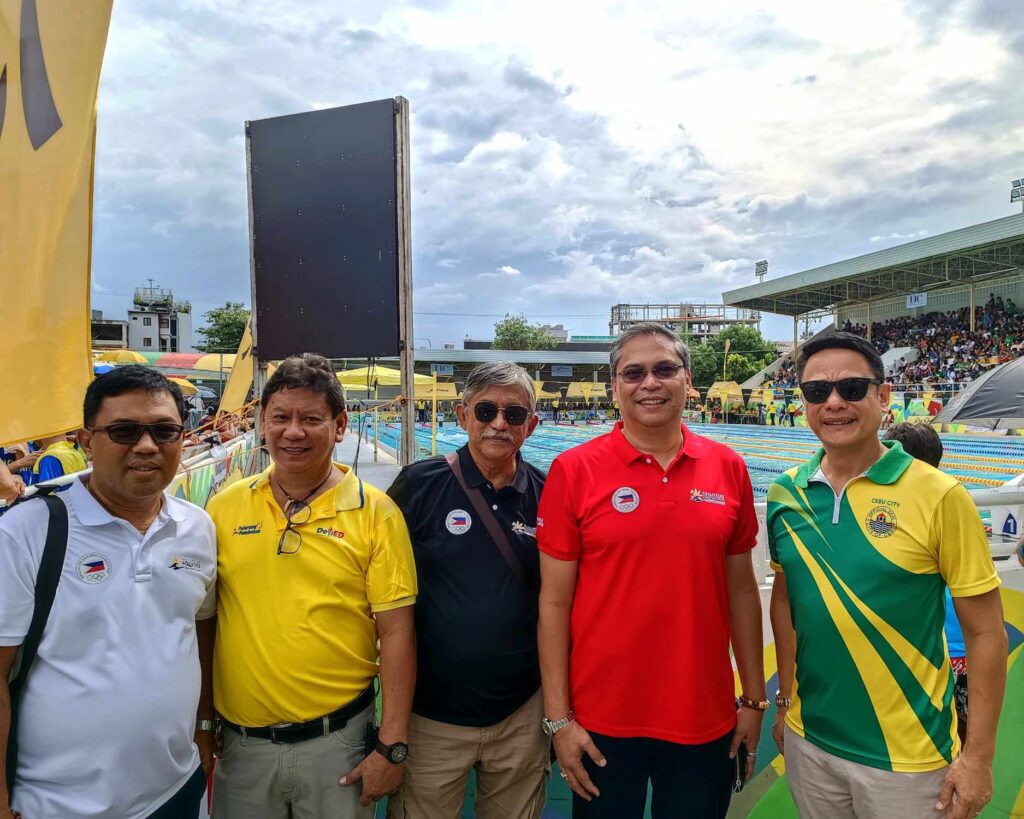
490 522
47 579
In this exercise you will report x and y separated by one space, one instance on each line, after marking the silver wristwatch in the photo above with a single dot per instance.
206 725
553 727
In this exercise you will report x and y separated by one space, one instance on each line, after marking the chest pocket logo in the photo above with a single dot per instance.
93 568
458 521
881 521
625 499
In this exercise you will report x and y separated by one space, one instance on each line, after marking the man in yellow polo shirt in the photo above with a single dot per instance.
314 567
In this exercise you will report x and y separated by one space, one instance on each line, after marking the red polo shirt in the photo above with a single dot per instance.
649 652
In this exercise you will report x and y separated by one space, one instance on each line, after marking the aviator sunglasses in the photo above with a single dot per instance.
129 432
849 389
663 372
487 411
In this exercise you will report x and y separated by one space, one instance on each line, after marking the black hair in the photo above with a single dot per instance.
841 341
128 379
919 440
310 371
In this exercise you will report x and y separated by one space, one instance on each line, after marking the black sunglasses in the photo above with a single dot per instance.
128 432
849 389
296 513
663 372
487 411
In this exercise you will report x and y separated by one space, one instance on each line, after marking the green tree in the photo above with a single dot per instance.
748 353
516 333
224 328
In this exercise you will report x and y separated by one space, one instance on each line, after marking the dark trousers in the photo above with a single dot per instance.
691 781
185 803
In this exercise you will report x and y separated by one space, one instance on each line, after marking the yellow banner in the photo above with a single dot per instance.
50 58
240 380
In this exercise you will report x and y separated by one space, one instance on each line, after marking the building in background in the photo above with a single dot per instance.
157 323
108 334
698 321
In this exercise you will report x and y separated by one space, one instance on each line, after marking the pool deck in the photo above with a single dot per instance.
380 473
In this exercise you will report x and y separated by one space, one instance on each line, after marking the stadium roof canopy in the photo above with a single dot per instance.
970 254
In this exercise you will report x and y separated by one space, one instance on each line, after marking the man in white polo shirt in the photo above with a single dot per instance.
108 715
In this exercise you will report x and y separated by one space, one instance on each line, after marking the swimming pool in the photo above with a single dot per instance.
977 461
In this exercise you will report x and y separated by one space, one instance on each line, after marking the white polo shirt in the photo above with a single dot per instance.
108 714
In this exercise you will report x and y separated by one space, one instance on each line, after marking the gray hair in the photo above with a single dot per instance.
499 374
648 328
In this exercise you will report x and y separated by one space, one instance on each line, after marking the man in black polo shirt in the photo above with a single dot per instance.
477 703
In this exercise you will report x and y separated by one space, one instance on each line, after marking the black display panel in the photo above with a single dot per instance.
325 232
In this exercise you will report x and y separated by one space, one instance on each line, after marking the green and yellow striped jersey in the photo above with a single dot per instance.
866 571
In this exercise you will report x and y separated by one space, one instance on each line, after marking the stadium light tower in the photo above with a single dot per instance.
1017 192
761 268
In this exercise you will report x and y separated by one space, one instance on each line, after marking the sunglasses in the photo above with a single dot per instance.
128 432
663 372
487 411
849 389
296 513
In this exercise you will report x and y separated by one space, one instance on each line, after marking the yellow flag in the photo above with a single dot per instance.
50 58
240 380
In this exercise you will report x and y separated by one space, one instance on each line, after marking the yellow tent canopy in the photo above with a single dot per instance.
726 391
123 357
186 387
215 362
446 391
761 396
541 393
381 376
587 390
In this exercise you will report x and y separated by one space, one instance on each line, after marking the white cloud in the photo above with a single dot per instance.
539 153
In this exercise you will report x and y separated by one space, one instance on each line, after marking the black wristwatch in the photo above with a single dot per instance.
395 754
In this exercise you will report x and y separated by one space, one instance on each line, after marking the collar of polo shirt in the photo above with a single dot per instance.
474 477
886 470
348 493
91 512
628 453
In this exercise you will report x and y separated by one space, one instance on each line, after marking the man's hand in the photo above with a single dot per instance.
379 778
748 732
967 789
206 742
778 729
12 487
570 745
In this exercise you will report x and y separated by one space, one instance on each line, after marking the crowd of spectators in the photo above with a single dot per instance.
949 353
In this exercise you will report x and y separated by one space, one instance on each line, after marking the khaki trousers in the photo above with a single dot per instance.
256 779
825 786
511 760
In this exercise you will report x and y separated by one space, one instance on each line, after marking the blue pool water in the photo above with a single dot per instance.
979 461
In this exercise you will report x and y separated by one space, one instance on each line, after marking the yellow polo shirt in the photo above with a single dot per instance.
296 638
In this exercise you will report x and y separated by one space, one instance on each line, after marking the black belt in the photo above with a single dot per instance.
319 727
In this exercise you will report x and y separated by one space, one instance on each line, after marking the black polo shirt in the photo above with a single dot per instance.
476 626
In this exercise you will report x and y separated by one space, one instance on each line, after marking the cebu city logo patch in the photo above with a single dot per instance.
625 499
93 568
881 521
458 521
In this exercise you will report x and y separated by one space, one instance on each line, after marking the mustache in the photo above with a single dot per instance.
497 436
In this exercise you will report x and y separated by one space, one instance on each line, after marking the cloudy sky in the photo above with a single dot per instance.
567 156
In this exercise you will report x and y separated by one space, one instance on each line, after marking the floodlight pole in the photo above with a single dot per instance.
407 449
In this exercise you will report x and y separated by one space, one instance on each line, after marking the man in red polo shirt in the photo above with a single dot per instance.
645 537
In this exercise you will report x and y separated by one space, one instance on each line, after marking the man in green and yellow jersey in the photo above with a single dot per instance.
314 568
864 541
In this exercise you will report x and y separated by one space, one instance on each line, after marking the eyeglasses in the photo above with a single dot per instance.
487 411
663 372
296 513
849 389
129 432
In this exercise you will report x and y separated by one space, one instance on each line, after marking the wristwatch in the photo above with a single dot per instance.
756 705
781 701
553 727
206 725
395 753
